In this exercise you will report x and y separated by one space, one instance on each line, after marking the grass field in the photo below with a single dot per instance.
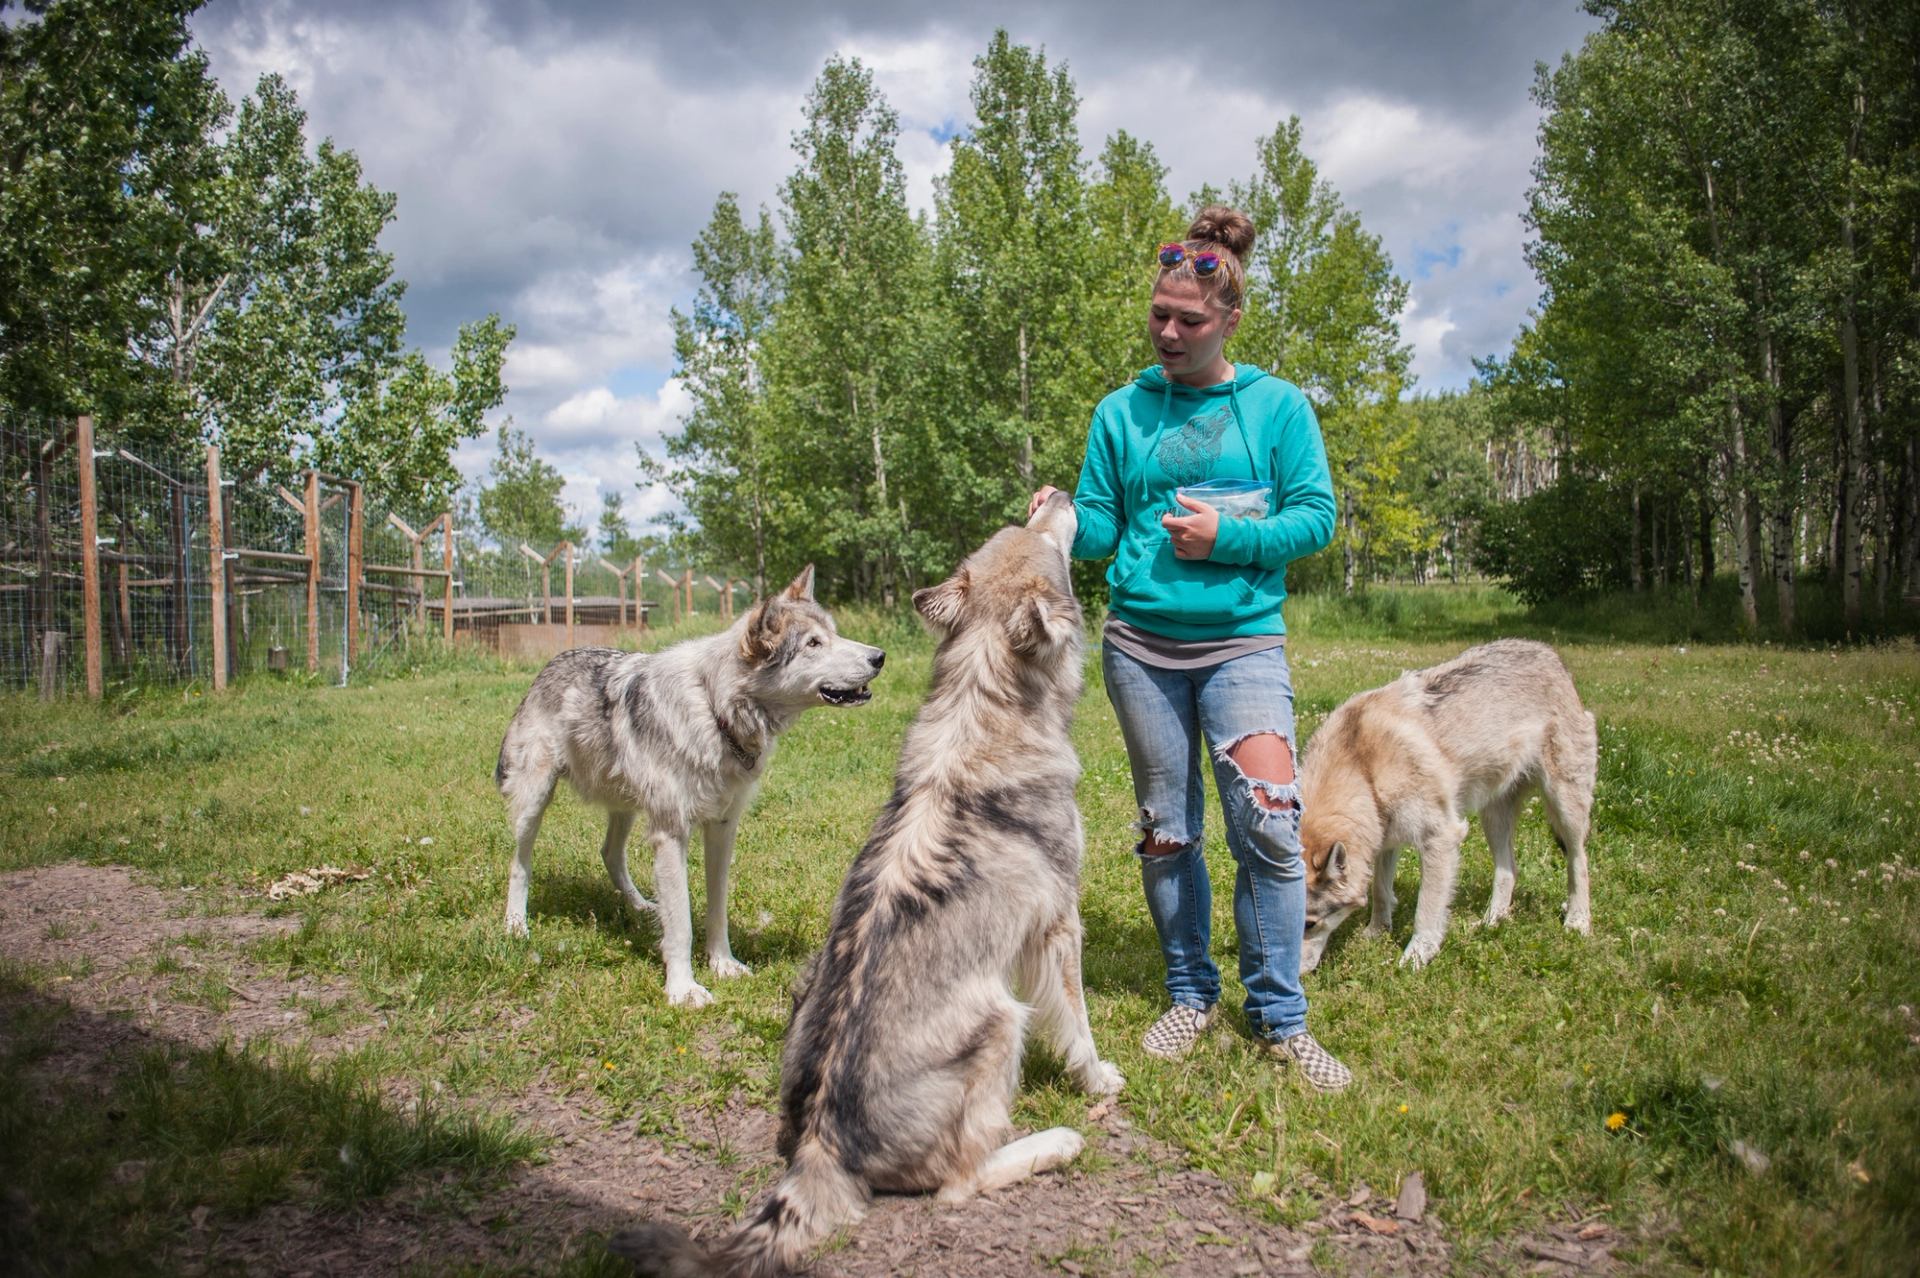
1750 984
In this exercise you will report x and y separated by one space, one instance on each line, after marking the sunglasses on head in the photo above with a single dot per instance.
1204 264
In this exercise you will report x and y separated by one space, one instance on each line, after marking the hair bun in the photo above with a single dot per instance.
1227 227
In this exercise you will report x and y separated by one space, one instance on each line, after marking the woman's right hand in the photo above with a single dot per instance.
1033 503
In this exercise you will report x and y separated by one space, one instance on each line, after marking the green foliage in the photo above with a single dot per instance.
104 109
613 535
877 393
1013 267
850 349
1564 541
520 501
1725 209
196 274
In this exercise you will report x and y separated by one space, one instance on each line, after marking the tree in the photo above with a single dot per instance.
719 462
844 355
613 534
103 109
1725 225
1323 311
195 283
1129 214
520 502
1011 256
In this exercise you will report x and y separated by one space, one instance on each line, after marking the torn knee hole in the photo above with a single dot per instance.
1152 842
1264 761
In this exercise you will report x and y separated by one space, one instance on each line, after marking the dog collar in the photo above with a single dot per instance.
747 761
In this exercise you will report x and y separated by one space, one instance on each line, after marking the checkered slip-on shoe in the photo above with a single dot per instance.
1177 1030
1323 1072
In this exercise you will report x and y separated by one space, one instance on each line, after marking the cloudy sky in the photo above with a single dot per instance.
554 159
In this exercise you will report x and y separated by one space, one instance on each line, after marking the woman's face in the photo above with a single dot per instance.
1188 329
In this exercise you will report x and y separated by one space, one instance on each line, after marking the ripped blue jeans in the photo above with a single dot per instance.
1163 714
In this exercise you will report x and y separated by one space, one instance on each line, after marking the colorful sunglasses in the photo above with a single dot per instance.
1204 264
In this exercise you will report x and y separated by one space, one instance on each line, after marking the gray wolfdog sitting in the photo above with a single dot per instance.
1408 763
903 1053
682 735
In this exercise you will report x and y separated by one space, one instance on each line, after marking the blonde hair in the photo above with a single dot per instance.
1227 232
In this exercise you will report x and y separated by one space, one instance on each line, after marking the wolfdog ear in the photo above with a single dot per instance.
1043 618
801 587
939 605
761 635
1337 860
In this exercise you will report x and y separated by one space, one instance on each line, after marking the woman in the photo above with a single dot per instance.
1194 641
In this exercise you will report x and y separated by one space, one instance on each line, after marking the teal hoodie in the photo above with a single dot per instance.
1155 435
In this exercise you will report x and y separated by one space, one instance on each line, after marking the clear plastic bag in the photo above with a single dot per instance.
1233 498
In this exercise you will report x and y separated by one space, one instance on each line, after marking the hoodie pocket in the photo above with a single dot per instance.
1193 592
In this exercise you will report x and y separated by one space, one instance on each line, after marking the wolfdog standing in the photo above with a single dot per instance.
1408 763
682 735
903 1053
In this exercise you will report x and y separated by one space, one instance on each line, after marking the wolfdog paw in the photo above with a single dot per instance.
1372 930
1420 951
1106 1080
1580 923
726 966
517 926
692 994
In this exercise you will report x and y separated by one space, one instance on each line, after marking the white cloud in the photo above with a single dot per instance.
1427 335
1364 141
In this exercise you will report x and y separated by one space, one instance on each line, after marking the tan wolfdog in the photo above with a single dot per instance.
956 930
1408 763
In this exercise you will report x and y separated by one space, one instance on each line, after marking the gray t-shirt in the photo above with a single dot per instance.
1183 654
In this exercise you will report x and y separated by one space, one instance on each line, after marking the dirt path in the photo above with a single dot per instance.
93 936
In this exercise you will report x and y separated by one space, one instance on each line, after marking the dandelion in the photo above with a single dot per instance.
1403 1107
681 1050
1616 1120
606 1064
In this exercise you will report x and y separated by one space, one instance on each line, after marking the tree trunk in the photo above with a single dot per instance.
1744 514
1634 581
1852 414
1686 564
1654 556
1706 544
881 504
1026 416
1780 435
1346 559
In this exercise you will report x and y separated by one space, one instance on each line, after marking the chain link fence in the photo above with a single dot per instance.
128 564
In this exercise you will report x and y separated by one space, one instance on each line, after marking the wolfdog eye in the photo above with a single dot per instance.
814 642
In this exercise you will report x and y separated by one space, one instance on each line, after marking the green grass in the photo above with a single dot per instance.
1756 932
147 1141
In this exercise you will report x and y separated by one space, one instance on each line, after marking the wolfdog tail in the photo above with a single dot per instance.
815 1197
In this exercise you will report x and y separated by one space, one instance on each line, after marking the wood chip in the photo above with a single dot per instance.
1593 1231
1412 1202
1361 1193
1374 1224
1553 1251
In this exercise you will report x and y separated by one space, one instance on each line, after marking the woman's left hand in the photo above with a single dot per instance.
1193 535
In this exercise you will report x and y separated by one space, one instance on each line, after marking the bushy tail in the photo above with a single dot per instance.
815 1197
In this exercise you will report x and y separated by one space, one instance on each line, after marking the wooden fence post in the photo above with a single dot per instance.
569 546
89 552
688 589
313 571
446 523
356 566
217 574
639 576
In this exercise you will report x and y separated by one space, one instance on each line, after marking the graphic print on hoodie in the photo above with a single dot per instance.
1188 454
